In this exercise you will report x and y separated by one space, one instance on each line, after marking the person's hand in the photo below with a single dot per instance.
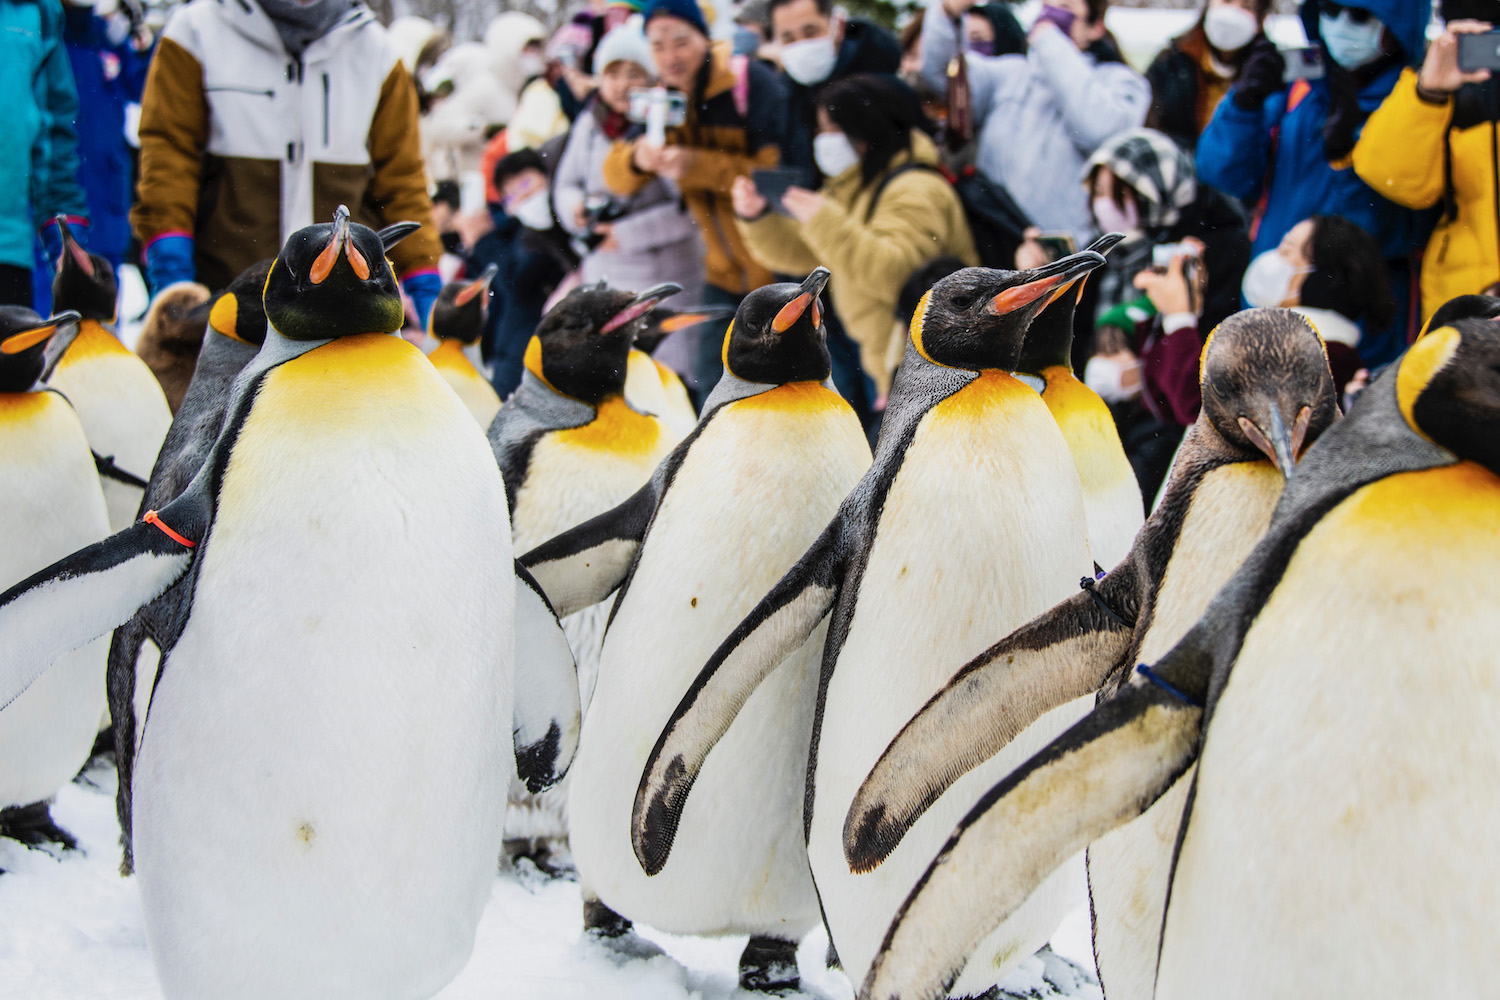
802 204
1261 76
1440 73
1052 17
646 157
748 202
609 244
472 226
580 216
671 163
1168 291
1031 254
1361 378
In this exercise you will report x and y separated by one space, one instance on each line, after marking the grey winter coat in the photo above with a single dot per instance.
1041 116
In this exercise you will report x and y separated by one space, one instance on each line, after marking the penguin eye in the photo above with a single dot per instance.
964 300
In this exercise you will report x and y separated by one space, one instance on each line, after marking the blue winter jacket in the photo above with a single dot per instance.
1241 152
39 157
108 77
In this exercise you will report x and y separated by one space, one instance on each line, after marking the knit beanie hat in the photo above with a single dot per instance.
683 10
626 43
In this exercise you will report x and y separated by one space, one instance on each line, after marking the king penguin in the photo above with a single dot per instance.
723 518
1267 395
971 517
1338 697
123 410
49 490
365 875
1111 495
651 386
457 323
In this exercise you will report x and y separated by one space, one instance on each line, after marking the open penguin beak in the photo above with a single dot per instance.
807 297
1044 280
71 247
478 287
340 243
1281 444
639 306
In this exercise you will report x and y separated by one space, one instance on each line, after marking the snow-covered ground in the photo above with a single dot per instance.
70 929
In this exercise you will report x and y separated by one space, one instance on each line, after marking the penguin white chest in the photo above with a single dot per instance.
756 488
983 528
50 494
1111 495
1342 838
323 773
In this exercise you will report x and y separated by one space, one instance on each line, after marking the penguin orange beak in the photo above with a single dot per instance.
683 320
1101 246
339 243
1279 443
27 339
72 248
479 287
807 297
1050 278
639 306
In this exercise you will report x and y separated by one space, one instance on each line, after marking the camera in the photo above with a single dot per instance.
606 211
1162 253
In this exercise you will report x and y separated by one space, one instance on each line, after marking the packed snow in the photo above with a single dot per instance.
71 929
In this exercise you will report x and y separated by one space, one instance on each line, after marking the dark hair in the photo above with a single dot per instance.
876 111
1096 10
921 280
825 7
1010 37
512 164
447 193
1348 273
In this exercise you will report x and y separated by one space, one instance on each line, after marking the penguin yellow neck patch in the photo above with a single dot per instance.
724 350
533 361
806 398
917 319
450 354
1423 361
993 390
93 341
617 429
224 317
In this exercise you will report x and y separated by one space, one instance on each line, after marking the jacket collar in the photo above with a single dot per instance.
253 23
716 77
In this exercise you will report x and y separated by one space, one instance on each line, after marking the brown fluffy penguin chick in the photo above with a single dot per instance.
172 336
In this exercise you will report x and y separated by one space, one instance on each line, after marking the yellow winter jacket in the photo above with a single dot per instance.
917 218
1400 154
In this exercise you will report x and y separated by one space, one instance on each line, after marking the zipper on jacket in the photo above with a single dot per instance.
325 110
256 92
291 152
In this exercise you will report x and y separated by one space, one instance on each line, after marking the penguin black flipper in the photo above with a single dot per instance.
585 564
1105 771
771 632
82 596
1063 654
547 715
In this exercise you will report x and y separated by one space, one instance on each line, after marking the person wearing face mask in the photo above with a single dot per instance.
1193 73
884 210
1433 143
258 119
818 45
1040 116
1288 146
650 237
990 29
532 253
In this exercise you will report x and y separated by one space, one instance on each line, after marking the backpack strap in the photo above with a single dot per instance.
905 168
740 67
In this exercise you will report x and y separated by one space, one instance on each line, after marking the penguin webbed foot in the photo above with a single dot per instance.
616 934
769 965
33 826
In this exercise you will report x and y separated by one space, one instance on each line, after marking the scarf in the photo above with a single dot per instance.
301 24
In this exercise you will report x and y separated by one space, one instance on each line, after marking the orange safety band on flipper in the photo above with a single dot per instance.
150 518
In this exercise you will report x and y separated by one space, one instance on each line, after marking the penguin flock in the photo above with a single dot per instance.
375 629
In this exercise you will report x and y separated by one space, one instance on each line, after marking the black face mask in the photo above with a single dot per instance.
451 242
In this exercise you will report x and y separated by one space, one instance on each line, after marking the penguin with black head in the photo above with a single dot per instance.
457 323
339 443
119 400
50 492
1267 396
722 519
971 518
1338 698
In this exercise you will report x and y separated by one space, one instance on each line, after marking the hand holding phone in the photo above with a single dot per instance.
772 185
1303 64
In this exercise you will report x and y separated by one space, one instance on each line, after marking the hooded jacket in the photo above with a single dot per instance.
39 162
242 145
723 144
1422 155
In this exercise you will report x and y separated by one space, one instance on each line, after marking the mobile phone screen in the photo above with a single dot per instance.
772 184
1479 51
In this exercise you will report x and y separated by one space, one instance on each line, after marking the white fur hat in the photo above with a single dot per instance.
626 42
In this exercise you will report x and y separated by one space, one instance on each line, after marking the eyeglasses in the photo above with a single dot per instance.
1331 10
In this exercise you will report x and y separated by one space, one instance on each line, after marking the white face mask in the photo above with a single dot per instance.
1229 28
531 65
1107 377
535 212
1350 45
1114 219
811 60
834 153
1268 280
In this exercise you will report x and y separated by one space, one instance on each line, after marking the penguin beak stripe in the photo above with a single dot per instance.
323 265
467 293
1021 296
682 321
630 312
26 339
356 260
791 312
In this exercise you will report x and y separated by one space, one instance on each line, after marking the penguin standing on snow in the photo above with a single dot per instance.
123 410
570 446
340 441
457 322
1267 395
970 518
1111 495
723 518
1338 697
49 490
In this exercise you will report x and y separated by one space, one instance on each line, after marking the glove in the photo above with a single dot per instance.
1341 127
422 288
1261 76
1060 16
169 259
51 235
